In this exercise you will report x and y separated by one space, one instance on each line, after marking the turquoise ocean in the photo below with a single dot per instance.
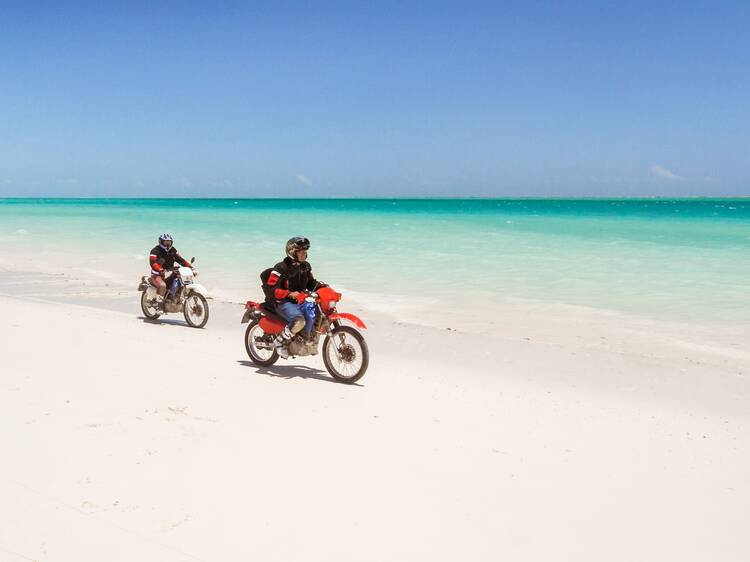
673 259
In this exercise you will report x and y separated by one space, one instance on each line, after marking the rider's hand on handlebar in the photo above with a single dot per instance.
298 296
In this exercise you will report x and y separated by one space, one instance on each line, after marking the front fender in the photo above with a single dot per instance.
197 288
347 316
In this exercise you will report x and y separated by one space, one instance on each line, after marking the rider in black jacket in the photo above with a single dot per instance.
286 287
162 259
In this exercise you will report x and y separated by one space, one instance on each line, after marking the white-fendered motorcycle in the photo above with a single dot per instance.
183 295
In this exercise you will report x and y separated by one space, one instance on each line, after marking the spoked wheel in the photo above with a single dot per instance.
150 307
345 354
196 310
260 350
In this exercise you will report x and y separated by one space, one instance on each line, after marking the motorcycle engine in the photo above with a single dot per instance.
300 346
172 306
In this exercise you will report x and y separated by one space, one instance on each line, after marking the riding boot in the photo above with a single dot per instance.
280 342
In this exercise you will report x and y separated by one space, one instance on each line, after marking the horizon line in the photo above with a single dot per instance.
383 198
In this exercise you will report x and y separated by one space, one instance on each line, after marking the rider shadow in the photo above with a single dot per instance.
292 371
168 321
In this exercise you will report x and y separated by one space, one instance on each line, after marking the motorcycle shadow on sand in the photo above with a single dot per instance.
293 371
164 321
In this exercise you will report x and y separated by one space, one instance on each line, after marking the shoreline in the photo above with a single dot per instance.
71 266
567 332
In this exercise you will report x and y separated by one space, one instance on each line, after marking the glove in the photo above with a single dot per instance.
301 298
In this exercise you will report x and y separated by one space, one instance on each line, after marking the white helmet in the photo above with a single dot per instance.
163 239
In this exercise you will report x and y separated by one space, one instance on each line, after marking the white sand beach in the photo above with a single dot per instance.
568 436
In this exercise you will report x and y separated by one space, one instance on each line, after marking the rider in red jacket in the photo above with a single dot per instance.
286 289
162 259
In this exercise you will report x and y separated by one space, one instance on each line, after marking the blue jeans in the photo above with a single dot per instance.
291 310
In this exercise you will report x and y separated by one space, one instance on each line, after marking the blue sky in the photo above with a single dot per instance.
389 99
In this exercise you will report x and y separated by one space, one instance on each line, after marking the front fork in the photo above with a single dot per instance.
337 345
331 325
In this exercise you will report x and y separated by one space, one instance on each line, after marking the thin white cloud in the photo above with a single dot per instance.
664 174
182 181
303 179
220 183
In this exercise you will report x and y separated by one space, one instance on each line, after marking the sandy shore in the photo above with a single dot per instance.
576 438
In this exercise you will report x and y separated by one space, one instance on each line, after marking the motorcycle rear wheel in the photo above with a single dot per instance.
262 357
149 311
196 310
345 354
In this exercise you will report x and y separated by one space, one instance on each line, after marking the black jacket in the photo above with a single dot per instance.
161 259
286 277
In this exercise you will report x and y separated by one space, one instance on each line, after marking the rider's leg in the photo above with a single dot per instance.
296 321
171 284
291 312
161 286
308 309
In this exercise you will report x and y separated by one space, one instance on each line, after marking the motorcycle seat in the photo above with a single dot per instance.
271 313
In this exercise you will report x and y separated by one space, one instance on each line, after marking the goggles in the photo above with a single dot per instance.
301 244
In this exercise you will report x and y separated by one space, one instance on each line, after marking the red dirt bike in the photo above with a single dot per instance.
345 352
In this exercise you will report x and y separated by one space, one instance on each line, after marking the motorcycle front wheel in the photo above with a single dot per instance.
345 354
149 307
259 355
196 310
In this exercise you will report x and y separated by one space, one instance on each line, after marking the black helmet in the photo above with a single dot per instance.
165 241
295 244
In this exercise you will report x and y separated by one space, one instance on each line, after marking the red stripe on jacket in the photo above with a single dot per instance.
154 265
280 293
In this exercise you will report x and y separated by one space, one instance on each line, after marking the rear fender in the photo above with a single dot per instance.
251 311
347 316
250 314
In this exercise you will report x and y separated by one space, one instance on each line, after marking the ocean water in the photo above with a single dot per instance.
682 259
